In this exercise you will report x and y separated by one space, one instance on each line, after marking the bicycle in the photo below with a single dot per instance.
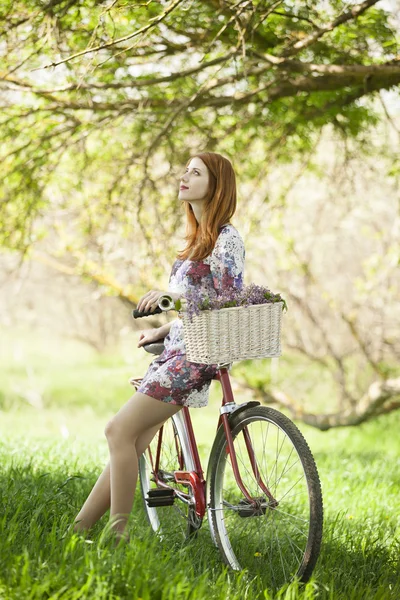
262 492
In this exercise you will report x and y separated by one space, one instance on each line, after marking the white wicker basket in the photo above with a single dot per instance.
232 334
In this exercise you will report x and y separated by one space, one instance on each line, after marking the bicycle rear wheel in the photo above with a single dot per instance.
172 515
279 535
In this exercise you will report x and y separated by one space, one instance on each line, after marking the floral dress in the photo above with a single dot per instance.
170 377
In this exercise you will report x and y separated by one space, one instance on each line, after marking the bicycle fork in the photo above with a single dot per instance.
229 406
232 452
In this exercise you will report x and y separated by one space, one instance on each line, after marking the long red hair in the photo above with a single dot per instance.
219 207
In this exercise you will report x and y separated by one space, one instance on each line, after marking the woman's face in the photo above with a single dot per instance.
195 179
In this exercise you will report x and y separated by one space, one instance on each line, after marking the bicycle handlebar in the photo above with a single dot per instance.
136 314
165 303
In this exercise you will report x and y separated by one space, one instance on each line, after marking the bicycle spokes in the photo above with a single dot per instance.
269 531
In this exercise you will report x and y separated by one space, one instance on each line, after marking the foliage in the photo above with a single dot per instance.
97 96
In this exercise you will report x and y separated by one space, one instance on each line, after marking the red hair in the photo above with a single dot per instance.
219 207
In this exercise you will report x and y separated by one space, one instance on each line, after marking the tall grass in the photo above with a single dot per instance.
52 456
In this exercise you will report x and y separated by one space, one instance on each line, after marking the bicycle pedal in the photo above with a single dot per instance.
160 497
160 492
156 502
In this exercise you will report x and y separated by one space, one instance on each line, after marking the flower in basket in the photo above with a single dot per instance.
197 301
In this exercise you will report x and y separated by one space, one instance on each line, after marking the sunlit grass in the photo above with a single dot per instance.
52 456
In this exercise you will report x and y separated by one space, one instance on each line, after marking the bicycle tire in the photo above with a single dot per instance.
178 521
252 549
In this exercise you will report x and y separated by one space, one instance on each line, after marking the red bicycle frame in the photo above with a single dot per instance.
195 479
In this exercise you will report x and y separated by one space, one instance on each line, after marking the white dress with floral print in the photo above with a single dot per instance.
170 377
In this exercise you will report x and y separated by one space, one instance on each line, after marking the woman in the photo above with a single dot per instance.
211 263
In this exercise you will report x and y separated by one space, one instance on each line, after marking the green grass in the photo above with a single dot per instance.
51 458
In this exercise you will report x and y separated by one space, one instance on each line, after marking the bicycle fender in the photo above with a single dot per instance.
240 407
237 410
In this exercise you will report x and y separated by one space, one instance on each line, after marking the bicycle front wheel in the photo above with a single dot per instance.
278 533
169 506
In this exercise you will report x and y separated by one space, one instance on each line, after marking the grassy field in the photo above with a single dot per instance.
55 399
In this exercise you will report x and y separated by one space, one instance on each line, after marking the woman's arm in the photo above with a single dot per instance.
164 329
150 336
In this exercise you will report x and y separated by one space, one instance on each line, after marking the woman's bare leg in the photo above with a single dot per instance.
99 499
96 504
140 415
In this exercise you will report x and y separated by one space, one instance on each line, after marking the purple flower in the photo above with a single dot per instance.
246 296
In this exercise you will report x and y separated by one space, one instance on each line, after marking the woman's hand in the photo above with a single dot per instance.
150 300
150 335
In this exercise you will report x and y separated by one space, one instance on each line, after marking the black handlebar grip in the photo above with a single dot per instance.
137 314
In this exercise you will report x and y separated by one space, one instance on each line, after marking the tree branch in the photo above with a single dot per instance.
156 21
135 83
353 13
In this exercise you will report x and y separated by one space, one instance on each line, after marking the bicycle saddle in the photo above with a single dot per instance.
155 347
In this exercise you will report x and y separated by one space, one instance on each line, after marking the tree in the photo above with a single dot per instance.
103 103
109 88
